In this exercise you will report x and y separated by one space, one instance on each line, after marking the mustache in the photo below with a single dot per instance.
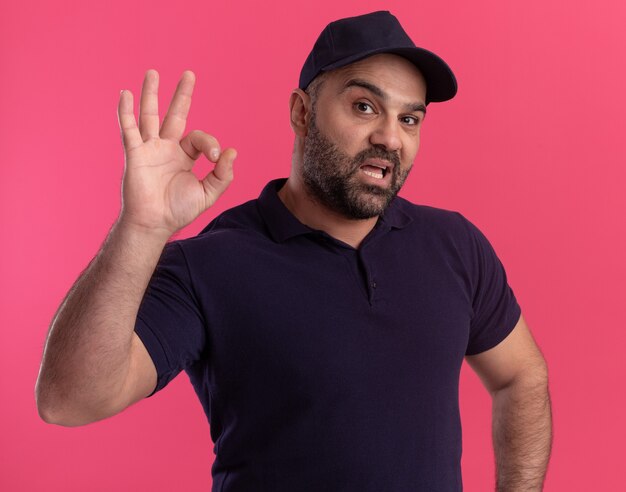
377 153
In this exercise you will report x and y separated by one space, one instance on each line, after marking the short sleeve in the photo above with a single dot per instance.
169 321
495 308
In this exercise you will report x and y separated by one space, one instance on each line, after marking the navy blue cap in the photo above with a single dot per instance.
351 39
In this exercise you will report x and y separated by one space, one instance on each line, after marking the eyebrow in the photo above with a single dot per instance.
380 93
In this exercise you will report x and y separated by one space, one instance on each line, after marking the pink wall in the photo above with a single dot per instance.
529 150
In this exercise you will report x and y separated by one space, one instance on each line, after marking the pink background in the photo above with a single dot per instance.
531 150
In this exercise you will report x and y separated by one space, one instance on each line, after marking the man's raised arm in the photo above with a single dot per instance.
93 364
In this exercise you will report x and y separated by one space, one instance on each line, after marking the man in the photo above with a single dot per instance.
323 326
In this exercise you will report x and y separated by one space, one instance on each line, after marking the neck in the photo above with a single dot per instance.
317 216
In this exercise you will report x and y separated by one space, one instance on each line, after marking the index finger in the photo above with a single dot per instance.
174 122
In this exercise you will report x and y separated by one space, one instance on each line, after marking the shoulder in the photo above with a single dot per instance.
445 232
449 223
228 231
244 217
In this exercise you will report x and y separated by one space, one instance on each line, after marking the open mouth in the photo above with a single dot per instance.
376 169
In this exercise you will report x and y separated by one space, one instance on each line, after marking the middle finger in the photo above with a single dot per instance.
149 106
174 122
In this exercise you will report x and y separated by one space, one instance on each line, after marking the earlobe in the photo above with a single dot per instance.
299 111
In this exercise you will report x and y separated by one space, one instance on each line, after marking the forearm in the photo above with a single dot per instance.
522 435
87 355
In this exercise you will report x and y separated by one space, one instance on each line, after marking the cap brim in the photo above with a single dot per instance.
440 81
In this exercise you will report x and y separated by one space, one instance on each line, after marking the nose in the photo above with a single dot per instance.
386 134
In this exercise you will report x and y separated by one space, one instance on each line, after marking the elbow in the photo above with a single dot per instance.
531 381
47 410
537 375
70 413
52 409
48 413
51 414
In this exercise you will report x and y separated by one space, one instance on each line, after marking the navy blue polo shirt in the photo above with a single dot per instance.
322 367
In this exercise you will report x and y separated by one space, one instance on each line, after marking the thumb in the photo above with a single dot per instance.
216 182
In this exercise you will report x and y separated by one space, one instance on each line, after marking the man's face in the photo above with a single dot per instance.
363 135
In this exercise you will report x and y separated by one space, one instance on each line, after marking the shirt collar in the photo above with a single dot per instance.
283 225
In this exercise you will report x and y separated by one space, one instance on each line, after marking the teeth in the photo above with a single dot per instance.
374 175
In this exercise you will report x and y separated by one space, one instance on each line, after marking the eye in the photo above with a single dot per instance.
363 107
410 120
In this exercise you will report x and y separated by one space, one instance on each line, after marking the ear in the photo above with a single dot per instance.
299 111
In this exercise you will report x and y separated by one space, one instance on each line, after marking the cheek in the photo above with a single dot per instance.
411 148
352 141
350 138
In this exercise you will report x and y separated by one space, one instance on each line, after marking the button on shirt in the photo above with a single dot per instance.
322 367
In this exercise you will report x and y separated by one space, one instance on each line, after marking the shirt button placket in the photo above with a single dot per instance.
371 283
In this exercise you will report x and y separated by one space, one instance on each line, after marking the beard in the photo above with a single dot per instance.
332 177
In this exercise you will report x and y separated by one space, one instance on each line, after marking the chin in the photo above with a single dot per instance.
373 204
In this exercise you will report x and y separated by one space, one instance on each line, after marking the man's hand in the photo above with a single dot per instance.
94 365
160 192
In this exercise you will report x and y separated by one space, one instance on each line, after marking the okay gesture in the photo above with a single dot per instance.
160 192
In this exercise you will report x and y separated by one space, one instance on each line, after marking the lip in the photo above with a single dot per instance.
381 163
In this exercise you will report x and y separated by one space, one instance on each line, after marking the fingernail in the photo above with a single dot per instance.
215 154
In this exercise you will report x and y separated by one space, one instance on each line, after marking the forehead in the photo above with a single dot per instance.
393 74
